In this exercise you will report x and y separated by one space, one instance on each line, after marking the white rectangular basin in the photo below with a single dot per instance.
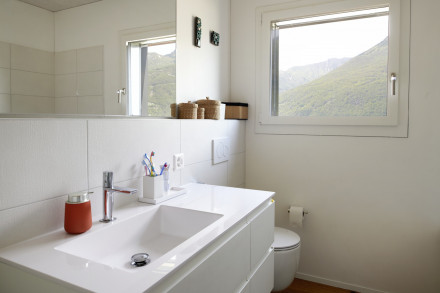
155 232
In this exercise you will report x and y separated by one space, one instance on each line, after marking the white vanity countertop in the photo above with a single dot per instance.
39 256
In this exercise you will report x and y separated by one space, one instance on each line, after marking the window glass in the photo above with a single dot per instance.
331 66
152 76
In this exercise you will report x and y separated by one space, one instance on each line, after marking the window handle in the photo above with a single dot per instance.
120 93
393 83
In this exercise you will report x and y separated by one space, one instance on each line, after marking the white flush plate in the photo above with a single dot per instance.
220 149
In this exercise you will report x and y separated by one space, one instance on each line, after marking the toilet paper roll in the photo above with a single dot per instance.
296 216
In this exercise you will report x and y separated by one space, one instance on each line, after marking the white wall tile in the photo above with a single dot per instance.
197 138
90 59
118 146
32 84
32 220
90 83
32 104
46 159
236 170
30 59
41 159
91 105
205 172
5 81
237 134
65 85
65 62
5 103
97 203
67 105
5 55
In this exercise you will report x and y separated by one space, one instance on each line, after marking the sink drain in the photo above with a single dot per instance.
140 259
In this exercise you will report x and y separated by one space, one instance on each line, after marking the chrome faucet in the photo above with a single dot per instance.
108 191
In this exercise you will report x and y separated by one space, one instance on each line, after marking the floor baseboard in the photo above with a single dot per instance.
336 283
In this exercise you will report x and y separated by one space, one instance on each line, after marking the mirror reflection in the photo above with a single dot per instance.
151 78
76 61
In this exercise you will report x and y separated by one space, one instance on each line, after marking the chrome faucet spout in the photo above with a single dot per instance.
109 199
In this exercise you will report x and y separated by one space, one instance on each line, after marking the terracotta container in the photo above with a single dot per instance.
77 213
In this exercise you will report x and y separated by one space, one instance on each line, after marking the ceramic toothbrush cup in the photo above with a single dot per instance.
153 186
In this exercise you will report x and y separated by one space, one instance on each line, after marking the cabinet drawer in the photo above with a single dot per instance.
224 271
262 233
263 278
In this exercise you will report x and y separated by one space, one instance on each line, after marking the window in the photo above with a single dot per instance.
338 68
148 70
151 76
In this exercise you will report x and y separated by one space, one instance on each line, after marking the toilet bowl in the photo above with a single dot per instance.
286 247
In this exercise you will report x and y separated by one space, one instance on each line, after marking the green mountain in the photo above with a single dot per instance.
357 88
161 81
299 75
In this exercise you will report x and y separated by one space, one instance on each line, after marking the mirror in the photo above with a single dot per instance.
74 61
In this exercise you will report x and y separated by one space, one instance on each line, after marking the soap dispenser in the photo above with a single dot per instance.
77 213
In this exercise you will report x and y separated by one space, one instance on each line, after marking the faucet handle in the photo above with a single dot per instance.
107 181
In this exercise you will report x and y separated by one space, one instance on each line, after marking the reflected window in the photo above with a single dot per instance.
151 76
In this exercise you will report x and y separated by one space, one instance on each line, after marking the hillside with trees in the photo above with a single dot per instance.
161 81
299 75
356 88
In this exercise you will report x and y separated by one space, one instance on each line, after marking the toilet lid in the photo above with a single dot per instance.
284 239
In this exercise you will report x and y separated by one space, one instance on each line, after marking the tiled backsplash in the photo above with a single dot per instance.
43 160
79 78
26 80
37 81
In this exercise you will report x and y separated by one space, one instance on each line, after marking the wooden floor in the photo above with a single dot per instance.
302 286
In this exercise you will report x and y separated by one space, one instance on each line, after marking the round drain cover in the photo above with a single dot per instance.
140 259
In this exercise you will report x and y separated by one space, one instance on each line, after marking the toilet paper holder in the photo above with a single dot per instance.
304 212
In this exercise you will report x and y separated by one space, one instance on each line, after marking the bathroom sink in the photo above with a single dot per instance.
155 232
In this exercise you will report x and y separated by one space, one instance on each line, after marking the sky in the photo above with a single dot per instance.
162 49
304 45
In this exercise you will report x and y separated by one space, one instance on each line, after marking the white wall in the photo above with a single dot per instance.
26 58
374 224
26 25
197 78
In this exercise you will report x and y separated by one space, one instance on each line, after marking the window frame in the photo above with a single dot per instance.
395 124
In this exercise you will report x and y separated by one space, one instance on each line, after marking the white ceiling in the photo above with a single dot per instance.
57 5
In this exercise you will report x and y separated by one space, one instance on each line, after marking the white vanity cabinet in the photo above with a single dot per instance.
241 260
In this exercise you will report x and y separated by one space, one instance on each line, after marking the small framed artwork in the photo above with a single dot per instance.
215 38
197 32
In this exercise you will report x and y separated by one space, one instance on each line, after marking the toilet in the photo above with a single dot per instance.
286 247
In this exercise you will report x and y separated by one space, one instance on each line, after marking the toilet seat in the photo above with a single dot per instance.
285 240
